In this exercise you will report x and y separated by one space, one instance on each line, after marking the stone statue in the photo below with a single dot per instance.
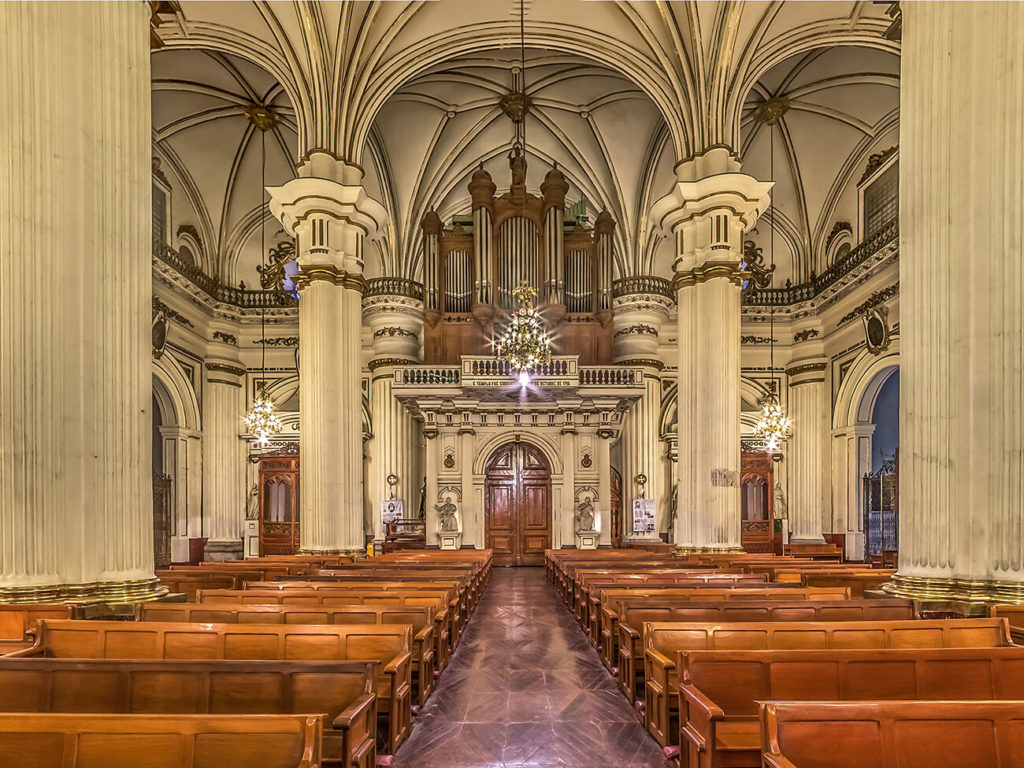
673 508
585 515
252 509
449 516
781 508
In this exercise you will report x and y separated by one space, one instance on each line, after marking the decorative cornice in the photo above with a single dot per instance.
804 335
876 161
710 270
234 370
393 331
384 362
278 341
796 370
171 314
646 362
878 297
757 339
331 274
639 329
227 338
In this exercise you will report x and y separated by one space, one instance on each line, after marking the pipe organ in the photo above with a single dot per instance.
472 266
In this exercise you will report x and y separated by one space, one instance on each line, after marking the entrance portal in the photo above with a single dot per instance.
517 498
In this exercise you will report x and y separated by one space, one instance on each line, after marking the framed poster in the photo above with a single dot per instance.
643 515
390 511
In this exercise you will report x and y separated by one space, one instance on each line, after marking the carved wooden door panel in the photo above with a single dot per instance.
279 505
518 505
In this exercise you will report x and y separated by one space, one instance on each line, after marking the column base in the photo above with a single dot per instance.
955 590
136 591
689 549
222 551
356 553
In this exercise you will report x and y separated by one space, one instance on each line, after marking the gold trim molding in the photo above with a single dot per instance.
351 280
710 270
955 590
234 370
646 362
139 590
683 551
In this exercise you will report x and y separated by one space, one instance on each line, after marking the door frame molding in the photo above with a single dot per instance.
549 514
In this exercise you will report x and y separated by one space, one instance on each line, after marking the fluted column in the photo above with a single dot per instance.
708 210
329 213
961 291
224 485
808 451
553 190
638 319
396 324
76 511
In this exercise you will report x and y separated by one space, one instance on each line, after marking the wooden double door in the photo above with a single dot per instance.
517 498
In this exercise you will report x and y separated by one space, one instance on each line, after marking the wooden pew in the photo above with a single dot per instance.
662 643
18 619
70 740
857 581
1014 614
191 583
436 601
979 734
307 593
608 619
420 618
822 551
634 613
388 644
342 690
463 584
720 690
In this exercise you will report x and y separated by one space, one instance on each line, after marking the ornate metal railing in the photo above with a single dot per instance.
794 294
610 375
425 374
212 287
394 286
642 284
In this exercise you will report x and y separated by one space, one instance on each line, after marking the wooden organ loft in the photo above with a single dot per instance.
472 267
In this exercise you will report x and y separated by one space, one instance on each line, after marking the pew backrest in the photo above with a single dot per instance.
979 734
16 619
633 612
73 740
168 640
668 638
736 680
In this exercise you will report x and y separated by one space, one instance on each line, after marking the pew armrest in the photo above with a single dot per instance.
32 650
658 663
629 631
776 761
397 664
425 635
354 711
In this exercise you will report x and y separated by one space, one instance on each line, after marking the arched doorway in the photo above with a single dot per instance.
517 499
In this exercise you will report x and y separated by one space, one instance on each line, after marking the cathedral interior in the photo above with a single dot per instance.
353 315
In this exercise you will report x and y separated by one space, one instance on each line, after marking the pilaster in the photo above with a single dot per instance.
807 454
224 487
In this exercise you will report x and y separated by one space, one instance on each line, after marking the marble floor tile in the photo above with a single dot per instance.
525 689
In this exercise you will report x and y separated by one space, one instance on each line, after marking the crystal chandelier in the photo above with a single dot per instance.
774 425
261 421
524 344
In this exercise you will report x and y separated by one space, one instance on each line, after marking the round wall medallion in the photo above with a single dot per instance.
640 479
586 461
392 479
449 461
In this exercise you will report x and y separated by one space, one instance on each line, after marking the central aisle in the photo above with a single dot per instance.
525 688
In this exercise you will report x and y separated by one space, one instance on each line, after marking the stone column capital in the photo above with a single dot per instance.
329 213
637 319
220 370
807 370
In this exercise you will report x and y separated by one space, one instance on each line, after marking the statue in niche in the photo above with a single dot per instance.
423 498
585 515
449 516
781 508
252 509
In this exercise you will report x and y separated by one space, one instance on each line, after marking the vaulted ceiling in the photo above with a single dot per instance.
621 92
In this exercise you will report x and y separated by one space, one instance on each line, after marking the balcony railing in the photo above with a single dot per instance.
658 286
794 294
482 371
394 286
212 287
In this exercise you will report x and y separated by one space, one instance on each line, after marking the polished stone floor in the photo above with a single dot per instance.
525 688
